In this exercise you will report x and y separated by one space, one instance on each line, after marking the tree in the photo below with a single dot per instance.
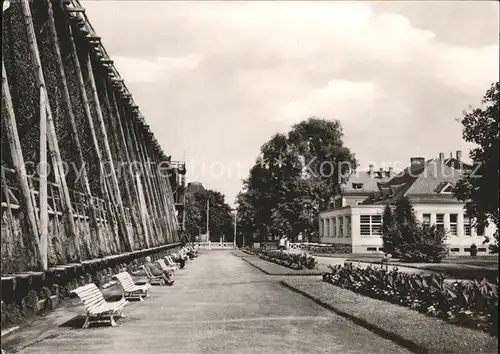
388 236
407 239
293 179
479 185
220 217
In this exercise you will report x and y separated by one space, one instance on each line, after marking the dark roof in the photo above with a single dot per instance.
419 181
456 164
369 182
195 187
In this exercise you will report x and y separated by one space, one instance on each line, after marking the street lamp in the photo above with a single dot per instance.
235 221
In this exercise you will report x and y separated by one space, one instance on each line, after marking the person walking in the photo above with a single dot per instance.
155 270
281 243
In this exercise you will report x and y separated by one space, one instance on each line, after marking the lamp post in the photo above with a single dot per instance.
235 221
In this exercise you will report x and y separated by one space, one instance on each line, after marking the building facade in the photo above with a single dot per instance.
356 215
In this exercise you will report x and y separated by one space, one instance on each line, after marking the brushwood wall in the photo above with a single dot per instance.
82 175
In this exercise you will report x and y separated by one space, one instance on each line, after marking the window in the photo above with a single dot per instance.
381 249
455 249
453 224
481 249
327 228
334 227
357 186
440 221
448 189
426 219
322 227
371 249
348 226
467 230
376 225
370 225
341 226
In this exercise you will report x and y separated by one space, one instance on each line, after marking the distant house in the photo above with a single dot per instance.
195 187
355 216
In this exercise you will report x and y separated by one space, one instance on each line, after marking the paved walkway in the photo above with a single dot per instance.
219 304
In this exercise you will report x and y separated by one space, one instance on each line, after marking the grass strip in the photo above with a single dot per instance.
408 328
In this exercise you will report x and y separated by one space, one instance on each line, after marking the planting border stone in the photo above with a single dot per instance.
409 328
276 269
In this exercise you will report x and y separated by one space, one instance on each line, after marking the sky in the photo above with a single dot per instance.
215 80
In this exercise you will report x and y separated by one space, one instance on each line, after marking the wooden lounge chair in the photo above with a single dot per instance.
171 263
166 267
153 279
98 309
130 289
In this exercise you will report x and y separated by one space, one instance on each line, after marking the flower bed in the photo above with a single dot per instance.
293 261
471 304
330 249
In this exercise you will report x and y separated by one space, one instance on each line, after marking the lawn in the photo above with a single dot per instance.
407 327
465 267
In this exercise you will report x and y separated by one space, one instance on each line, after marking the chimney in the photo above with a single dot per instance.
381 172
417 161
441 156
389 172
459 155
370 170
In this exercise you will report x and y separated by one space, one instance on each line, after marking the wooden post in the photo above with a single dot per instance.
126 135
52 138
19 166
147 179
164 211
122 151
44 211
74 131
86 110
172 207
114 180
139 159
142 208
168 216
5 189
153 171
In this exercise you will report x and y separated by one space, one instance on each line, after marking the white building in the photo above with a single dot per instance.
355 218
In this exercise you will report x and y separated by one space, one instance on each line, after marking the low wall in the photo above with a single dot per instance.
25 295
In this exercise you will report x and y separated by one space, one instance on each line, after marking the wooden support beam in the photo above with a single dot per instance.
94 229
43 203
139 158
52 137
7 192
121 150
20 166
114 180
90 122
130 156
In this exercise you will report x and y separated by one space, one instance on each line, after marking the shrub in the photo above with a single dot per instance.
405 238
472 304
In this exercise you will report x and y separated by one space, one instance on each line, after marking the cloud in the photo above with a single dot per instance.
156 69
219 78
